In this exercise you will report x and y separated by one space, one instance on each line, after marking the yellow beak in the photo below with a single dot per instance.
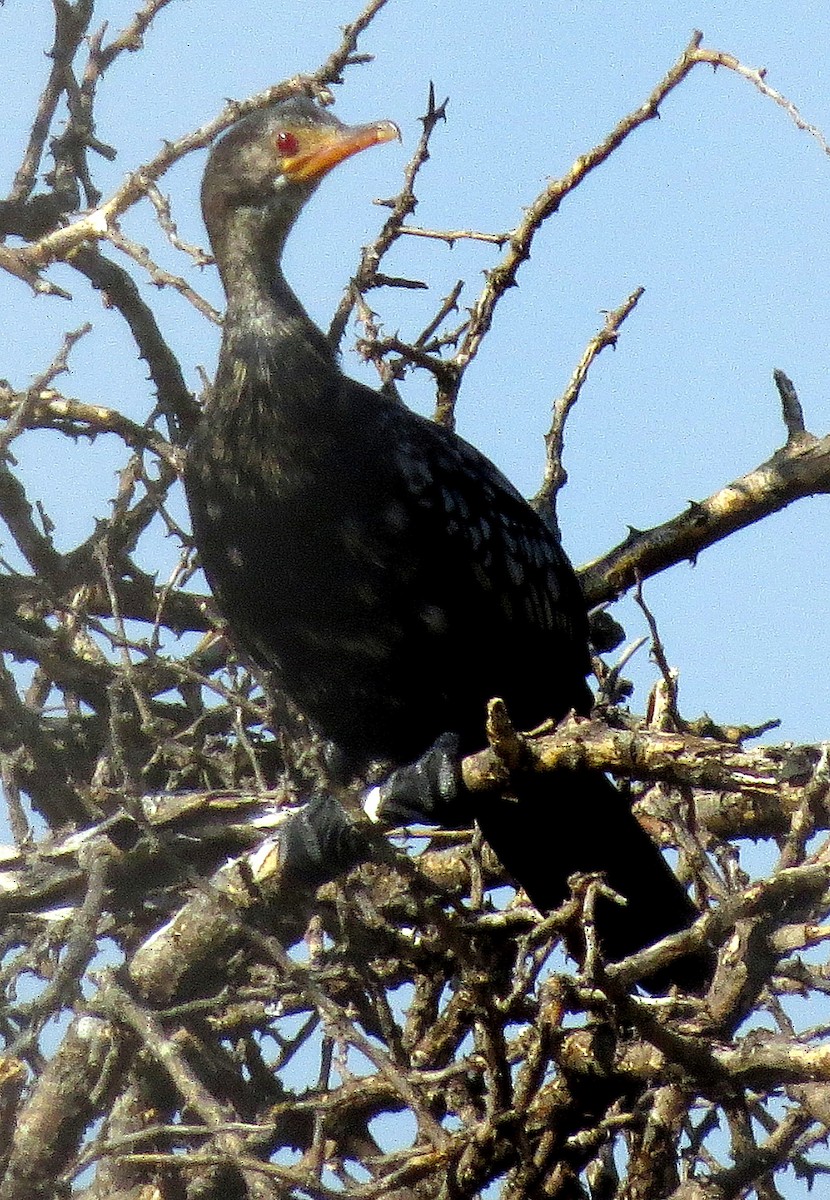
331 145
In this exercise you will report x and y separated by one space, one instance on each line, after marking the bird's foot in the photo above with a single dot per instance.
320 842
429 791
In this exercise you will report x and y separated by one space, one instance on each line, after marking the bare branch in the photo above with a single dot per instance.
556 476
797 470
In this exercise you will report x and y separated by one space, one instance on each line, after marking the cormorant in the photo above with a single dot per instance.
386 570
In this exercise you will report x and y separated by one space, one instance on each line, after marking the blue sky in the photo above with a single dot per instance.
719 210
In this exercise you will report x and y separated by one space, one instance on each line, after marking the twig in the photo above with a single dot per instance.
451 236
671 715
71 25
555 475
365 277
20 415
791 409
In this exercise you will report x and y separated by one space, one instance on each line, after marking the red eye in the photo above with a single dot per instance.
287 142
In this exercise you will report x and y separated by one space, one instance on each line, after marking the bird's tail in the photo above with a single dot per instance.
577 821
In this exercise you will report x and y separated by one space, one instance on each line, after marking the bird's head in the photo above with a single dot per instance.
271 161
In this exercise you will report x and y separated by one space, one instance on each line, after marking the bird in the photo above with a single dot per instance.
385 570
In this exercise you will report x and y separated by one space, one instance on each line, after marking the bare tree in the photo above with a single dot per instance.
182 1020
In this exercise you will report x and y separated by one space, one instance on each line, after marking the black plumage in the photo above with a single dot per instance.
382 566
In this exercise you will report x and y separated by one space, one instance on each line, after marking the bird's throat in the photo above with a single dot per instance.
274 357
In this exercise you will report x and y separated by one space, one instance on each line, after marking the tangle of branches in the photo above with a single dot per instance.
178 1020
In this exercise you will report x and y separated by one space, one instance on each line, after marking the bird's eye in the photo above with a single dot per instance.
287 142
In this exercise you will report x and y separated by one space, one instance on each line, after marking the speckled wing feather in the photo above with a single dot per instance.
396 581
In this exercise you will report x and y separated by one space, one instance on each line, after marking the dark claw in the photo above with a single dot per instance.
427 792
320 843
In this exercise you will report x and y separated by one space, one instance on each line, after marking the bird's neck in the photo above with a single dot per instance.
272 352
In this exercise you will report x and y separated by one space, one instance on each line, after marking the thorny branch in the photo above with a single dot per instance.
799 469
246 1035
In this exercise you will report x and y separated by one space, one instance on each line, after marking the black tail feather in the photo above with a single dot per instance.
579 822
